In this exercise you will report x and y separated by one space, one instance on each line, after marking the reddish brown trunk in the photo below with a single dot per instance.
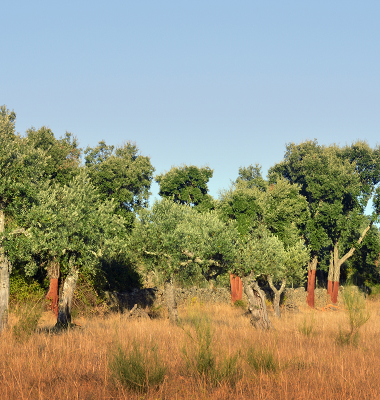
329 287
236 288
310 288
239 288
308 280
334 296
52 295
233 288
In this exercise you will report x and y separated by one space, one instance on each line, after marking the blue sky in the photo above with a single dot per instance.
218 83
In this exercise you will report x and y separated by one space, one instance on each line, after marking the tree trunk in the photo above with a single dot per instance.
312 267
330 275
4 278
170 301
64 310
52 295
277 295
236 288
257 306
337 263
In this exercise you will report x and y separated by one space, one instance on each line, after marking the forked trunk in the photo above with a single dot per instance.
4 278
236 288
277 295
52 295
312 268
170 301
257 306
65 302
337 262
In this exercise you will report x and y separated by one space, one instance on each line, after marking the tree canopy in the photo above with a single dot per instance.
186 184
122 174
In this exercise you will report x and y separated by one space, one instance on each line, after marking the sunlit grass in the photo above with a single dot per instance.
76 364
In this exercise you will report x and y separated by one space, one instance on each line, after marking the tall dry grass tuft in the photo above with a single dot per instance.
357 315
76 364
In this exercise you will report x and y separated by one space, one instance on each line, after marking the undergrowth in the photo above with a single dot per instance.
139 369
200 354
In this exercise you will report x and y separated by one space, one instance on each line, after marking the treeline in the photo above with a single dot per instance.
66 212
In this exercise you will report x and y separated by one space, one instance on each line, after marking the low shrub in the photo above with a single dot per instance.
240 304
139 369
357 315
262 360
200 355
307 328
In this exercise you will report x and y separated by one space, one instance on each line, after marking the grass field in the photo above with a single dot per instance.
305 360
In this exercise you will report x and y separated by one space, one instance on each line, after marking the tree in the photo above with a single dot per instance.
122 174
291 269
63 155
337 183
21 167
171 236
186 185
280 210
69 230
258 253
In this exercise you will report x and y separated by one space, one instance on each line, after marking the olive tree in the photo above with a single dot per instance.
171 236
69 229
21 168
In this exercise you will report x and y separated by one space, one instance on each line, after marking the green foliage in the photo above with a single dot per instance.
252 176
362 267
62 155
262 360
72 226
24 291
338 184
169 237
186 185
262 254
357 315
278 206
200 355
240 304
120 174
140 369
21 166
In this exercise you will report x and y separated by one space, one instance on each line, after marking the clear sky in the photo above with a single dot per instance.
218 83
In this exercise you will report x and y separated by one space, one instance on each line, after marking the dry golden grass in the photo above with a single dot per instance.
74 364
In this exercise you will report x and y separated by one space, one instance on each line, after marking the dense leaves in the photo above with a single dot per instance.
120 174
186 185
72 226
171 236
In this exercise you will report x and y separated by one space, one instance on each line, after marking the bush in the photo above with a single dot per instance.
138 370
262 360
200 356
24 291
357 315
240 304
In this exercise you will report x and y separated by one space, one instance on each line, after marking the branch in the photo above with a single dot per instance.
198 260
351 252
151 253
18 231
